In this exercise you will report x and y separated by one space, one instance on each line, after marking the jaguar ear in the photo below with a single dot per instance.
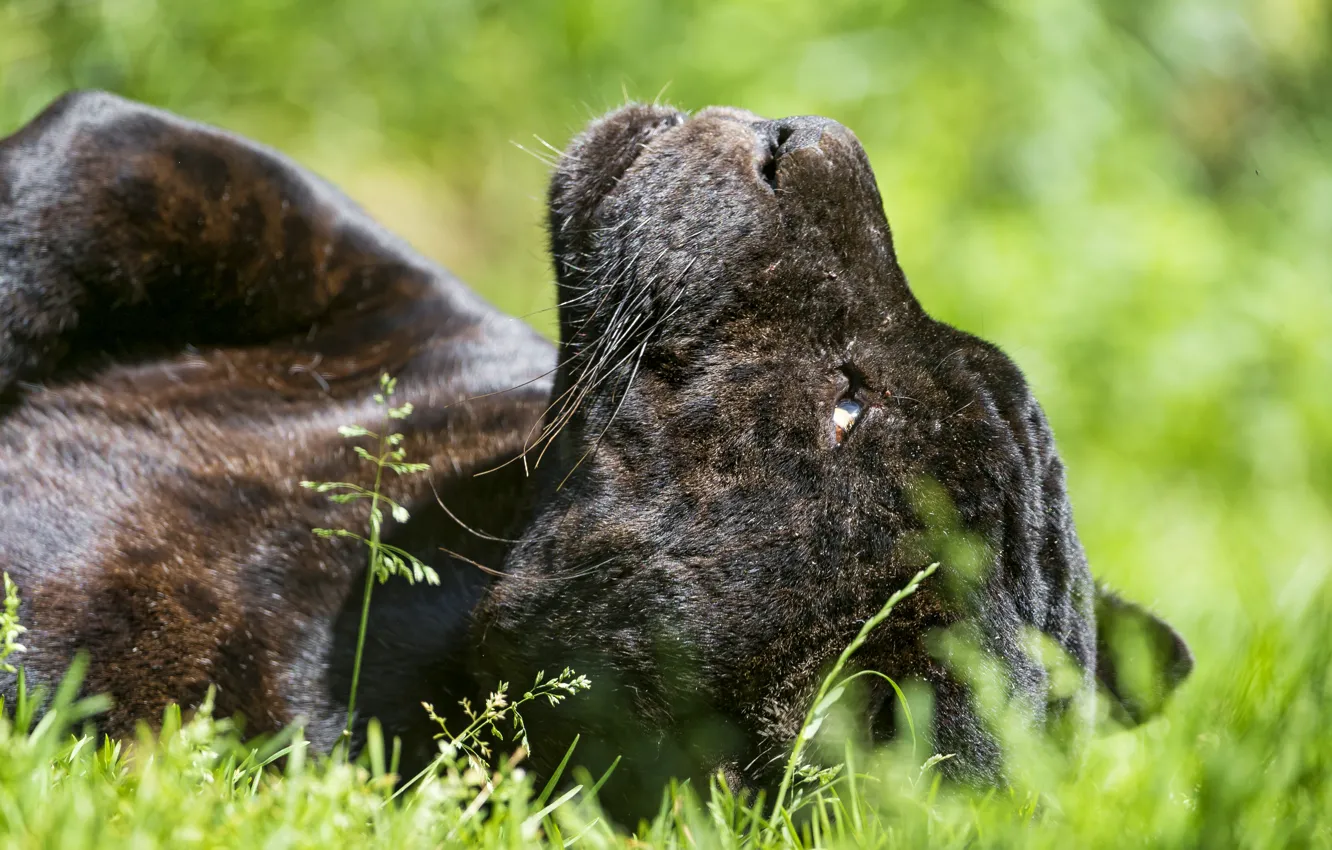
1140 660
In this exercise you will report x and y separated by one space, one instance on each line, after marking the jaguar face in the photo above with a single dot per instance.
757 436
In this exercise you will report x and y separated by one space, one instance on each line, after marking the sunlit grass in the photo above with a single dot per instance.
1241 758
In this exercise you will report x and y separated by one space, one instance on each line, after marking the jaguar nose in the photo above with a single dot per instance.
786 136
802 131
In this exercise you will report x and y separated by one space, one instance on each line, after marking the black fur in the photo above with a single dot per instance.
697 536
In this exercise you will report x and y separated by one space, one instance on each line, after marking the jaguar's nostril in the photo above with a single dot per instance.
769 141
804 131
778 139
768 167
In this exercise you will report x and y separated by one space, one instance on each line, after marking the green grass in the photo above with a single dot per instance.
1242 757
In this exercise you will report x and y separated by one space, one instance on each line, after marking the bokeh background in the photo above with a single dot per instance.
1133 198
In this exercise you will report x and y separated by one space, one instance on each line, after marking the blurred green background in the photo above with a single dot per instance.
1133 198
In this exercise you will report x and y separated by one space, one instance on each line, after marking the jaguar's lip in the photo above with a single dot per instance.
593 165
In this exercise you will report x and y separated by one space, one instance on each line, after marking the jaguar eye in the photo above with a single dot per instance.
845 416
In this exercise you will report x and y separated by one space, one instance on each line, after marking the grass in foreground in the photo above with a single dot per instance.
1242 758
